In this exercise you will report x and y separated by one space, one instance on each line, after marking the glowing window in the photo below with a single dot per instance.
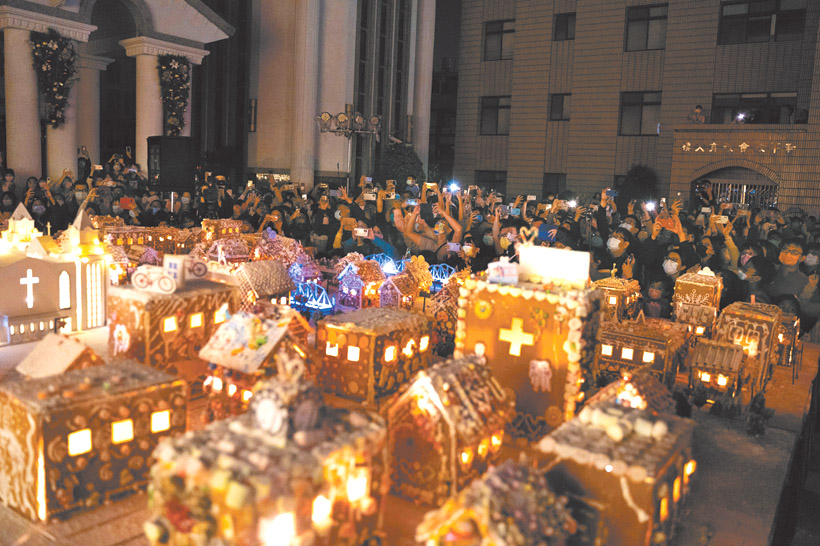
424 342
246 395
627 353
722 380
196 320
664 511
160 421
64 285
390 354
353 353
216 384
332 350
169 324
676 490
699 331
231 390
122 431
688 470
22 328
648 357
79 442
606 350
613 300
42 325
221 314
705 377
11 330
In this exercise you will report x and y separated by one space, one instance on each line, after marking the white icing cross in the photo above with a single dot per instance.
516 336
29 281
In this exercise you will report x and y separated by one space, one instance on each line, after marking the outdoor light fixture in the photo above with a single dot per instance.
347 124
342 121
375 123
325 121
359 122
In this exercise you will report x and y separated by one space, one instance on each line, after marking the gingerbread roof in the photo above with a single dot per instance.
56 354
403 283
616 283
266 277
233 248
699 278
652 332
626 441
244 342
368 271
467 393
376 320
762 311
86 384
716 355
512 504
642 388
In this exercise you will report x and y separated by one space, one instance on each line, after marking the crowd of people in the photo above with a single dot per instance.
761 253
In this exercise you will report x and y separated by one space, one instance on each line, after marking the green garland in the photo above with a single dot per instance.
174 82
55 62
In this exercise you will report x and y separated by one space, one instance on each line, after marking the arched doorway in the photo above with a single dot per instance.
739 185
115 22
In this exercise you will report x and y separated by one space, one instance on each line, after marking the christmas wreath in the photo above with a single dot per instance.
55 62
174 82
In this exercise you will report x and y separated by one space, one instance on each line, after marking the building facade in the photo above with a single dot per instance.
313 56
570 94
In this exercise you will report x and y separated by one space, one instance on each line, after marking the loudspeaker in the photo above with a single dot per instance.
172 163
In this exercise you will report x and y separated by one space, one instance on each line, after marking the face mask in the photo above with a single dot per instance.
338 214
596 242
789 259
38 209
185 200
742 275
488 240
745 258
627 226
654 294
115 209
670 267
613 244
505 243
812 260
155 209
80 195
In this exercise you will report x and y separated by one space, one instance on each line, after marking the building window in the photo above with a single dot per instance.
756 108
79 442
196 320
564 27
160 421
640 113
65 290
169 324
94 295
122 431
761 21
560 106
554 183
495 115
646 28
499 40
491 181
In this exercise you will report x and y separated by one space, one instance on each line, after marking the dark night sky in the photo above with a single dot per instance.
448 25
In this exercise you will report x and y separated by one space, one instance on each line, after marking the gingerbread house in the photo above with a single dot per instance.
697 301
291 471
230 251
222 228
73 435
620 298
635 466
718 368
166 331
244 350
359 284
301 266
754 327
370 353
512 504
399 291
624 347
444 309
538 334
640 390
52 286
263 280
445 429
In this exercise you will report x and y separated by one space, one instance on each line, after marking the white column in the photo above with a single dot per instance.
88 103
22 113
149 100
426 22
61 143
306 71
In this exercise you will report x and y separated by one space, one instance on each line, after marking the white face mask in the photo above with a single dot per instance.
670 267
741 275
811 260
613 244
185 200
627 226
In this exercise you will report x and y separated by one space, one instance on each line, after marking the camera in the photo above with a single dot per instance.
369 196
390 195
611 193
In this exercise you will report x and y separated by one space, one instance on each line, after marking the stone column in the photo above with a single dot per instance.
149 100
61 143
88 104
22 110
306 71
423 79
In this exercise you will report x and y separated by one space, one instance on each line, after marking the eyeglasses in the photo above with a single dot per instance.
793 251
